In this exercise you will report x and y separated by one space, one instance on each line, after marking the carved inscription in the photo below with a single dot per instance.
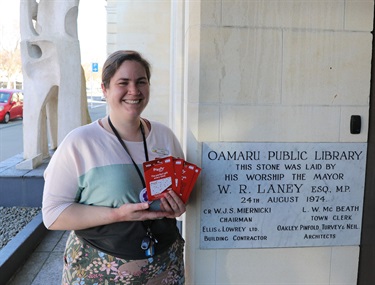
258 195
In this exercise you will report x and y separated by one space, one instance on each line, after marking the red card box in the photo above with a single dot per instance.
170 173
178 167
191 182
159 177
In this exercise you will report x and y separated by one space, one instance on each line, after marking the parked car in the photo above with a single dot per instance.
11 104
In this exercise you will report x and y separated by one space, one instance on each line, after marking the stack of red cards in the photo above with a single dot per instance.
170 173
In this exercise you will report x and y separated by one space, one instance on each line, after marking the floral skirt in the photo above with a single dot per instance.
85 265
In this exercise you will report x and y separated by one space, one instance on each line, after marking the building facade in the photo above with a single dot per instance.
296 74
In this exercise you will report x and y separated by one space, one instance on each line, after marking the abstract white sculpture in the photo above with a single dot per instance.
54 84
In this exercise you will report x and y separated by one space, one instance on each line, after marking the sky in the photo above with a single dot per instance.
91 27
92 32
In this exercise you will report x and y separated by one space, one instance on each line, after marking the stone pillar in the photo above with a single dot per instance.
51 61
282 72
128 29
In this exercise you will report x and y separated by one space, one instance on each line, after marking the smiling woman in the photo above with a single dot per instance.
95 175
126 89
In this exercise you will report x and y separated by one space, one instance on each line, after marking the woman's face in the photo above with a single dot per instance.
129 90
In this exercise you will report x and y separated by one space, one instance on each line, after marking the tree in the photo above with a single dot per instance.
10 64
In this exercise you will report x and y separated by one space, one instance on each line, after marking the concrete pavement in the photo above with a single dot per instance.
45 264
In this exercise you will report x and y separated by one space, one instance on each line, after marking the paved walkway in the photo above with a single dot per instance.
44 266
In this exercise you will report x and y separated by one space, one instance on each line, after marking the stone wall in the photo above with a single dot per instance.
274 71
254 71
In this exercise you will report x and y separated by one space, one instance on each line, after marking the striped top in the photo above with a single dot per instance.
91 167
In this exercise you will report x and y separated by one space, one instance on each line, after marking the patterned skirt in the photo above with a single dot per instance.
85 265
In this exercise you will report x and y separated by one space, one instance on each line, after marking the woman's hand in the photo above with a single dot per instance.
90 216
172 204
138 212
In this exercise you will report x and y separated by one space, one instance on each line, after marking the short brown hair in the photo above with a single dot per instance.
115 60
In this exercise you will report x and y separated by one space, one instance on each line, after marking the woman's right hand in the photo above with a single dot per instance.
138 212
79 216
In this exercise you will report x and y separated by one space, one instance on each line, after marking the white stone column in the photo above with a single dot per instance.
52 76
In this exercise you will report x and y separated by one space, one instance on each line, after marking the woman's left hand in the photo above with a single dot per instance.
172 204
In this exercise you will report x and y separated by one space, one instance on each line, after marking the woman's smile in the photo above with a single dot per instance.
128 90
132 101
128 101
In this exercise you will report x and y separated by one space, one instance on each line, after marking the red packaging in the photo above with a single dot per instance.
169 173
186 178
159 177
190 176
178 166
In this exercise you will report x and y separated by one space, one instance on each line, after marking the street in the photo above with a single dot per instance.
11 134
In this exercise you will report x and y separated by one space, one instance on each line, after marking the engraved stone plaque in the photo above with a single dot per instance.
260 195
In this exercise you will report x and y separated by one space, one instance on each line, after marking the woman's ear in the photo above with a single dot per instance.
104 90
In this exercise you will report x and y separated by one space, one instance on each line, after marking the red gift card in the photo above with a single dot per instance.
169 173
186 178
159 177
190 175
178 166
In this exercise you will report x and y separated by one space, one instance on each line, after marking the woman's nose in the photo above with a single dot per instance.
133 89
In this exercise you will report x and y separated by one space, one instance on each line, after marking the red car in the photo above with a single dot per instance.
11 104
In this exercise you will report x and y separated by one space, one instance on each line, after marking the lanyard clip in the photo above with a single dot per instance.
148 242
